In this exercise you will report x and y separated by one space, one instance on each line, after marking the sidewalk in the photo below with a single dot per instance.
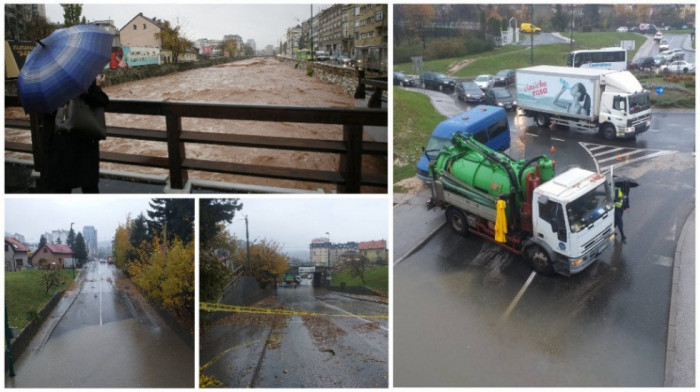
680 347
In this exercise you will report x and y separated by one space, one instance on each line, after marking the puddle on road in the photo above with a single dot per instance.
122 354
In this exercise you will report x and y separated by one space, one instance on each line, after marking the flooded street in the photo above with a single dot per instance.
106 341
297 351
263 81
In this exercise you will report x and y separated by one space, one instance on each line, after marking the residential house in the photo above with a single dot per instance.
141 31
16 255
53 256
375 251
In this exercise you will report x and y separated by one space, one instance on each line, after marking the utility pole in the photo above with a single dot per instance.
329 259
311 35
247 243
571 37
532 35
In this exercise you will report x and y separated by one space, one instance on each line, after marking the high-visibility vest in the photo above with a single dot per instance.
619 199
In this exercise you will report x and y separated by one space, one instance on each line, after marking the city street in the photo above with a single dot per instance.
344 348
106 339
501 325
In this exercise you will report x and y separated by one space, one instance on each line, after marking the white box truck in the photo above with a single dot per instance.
610 101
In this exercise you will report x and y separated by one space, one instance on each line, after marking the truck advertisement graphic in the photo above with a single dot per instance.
556 94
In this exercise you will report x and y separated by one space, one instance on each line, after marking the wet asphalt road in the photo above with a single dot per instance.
105 341
301 351
606 326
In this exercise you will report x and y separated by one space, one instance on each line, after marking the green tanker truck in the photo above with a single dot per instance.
560 224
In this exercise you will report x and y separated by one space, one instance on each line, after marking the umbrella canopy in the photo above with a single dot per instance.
625 182
63 66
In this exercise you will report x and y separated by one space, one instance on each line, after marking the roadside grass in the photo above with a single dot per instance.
377 278
414 121
679 90
516 56
24 295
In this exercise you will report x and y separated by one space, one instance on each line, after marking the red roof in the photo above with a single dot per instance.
19 247
59 248
369 245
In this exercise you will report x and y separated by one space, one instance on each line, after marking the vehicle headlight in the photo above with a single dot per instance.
515 102
500 104
577 262
469 95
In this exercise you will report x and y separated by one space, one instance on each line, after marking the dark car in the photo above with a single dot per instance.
504 77
642 63
436 81
469 92
499 96
401 79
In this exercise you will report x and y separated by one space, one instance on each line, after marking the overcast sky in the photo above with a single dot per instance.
293 221
36 216
265 23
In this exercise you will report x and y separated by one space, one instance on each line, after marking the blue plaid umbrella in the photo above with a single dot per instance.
63 66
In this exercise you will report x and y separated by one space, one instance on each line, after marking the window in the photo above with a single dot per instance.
481 136
135 27
498 128
380 15
45 250
144 26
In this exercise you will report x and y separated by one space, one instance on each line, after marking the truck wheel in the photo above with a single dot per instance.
539 260
457 221
542 120
607 131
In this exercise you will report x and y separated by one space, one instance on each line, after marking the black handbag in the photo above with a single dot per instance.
82 120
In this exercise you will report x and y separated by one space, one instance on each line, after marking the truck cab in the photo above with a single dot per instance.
573 221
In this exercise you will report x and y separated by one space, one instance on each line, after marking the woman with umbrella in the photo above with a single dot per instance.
66 65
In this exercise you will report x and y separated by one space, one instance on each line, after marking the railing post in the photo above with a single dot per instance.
176 151
360 90
375 101
351 161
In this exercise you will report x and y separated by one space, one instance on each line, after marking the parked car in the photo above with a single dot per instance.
680 67
622 29
642 63
403 80
660 60
499 96
529 28
634 28
469 92
436 81
658 36
345 61
321 55
504 77
484 81
663 45
678 53
668 54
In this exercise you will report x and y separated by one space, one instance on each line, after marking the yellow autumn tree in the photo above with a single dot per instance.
267 262
165 272
121 247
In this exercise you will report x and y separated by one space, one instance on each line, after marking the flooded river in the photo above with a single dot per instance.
264 81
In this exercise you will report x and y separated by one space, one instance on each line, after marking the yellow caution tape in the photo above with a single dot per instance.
213 307
228 350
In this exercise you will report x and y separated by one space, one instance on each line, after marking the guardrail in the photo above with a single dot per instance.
349 177
380 85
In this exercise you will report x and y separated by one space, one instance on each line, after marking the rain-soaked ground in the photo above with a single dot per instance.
264 81
271 351
107 341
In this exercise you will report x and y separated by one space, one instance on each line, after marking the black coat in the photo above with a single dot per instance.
70 162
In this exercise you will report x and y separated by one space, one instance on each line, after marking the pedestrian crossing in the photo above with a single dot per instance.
606 157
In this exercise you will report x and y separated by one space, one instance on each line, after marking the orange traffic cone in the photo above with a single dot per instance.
619 158
552 149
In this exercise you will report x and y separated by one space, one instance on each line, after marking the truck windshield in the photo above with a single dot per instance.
585 210
639 102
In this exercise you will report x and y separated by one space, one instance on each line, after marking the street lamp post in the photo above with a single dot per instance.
71 229
329 259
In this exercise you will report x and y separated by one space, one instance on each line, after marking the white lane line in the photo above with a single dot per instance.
518 297
559 140
352 314
100 297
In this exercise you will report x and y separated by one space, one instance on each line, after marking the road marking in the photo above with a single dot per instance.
618 156
559 140
228 350
214 307
100 274
517 298
360 317
664 261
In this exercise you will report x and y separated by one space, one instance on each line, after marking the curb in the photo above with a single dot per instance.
671 368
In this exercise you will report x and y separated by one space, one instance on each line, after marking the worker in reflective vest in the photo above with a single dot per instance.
621 204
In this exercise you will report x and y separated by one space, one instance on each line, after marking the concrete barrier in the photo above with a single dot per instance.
21 342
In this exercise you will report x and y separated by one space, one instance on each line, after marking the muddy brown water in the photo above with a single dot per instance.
263 81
